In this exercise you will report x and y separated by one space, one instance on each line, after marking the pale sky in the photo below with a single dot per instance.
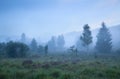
39 18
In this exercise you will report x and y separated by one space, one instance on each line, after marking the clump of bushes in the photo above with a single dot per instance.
4 75
41 76
27 63
55 74
13 49
67 76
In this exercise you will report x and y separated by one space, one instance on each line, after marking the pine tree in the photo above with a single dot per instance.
104 44
52 44
23 38
86 37
33 45
60 43
46 49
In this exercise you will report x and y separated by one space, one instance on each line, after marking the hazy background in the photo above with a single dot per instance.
44 18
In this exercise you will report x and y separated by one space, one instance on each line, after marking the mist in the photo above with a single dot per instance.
35 17
59 39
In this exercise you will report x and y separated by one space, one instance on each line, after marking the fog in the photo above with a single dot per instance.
43 19
59 39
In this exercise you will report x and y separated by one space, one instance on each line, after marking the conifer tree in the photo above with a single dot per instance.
104 44
33 45
86 37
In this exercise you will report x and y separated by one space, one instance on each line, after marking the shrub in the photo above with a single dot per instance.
55 74
4 75
16 49
41 76
27 63
66 76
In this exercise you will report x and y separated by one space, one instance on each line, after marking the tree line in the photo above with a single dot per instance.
56 44
24 49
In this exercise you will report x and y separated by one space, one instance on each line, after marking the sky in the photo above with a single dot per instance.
45 18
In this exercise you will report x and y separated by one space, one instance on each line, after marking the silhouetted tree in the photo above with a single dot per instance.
33 45
23 38
2 50
16 49
86 37
104 44
52 45
60 43
46 49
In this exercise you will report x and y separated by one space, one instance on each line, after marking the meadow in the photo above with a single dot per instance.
61 66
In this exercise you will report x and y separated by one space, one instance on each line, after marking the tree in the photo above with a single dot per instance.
33 45
16 49
86 37
46 49
40 49
52 45
60 43
2 49
73 49
104 44
23 38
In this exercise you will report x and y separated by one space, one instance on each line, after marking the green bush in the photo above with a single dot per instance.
55 74
4 75
66 76
111 73
40 76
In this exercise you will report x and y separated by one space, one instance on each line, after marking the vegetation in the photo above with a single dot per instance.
104 44
20 60
33 45
61 66
13 49
86 37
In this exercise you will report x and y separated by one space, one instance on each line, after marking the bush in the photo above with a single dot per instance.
27 63
4 75
16 49
41 76
55 74
112 74
66 76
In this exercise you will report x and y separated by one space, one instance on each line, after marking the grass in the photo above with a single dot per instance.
62 67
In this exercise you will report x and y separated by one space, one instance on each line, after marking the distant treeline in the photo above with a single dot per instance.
55 45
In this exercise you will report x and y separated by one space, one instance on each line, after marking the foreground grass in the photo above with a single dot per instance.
61 67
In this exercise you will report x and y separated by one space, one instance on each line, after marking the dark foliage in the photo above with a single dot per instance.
16 49
40 49
46 49
27 63
86 37
2 49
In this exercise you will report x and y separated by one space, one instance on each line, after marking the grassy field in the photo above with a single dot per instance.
61 67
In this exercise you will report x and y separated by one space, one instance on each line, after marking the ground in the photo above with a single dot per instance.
61 66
